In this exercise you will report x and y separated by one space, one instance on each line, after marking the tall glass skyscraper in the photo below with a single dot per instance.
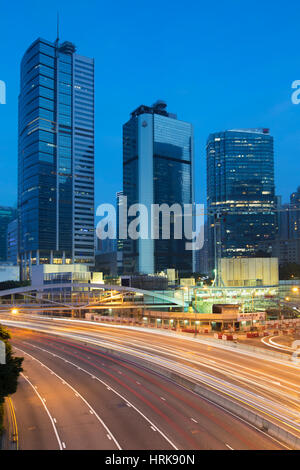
157 169
240 192
56 156
7 215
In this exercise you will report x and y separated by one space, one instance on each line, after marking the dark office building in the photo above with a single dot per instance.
157 169
7 214
295 214
240 192
56 156
12 241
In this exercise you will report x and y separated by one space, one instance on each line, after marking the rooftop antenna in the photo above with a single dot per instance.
57 33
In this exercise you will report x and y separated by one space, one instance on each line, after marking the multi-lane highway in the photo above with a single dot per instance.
74 394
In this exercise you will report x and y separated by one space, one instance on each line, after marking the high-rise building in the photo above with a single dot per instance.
119 203
283 219
240 192
7 214
157 169
295 214
12 242
56 156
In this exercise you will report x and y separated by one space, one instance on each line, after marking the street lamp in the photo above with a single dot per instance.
14 311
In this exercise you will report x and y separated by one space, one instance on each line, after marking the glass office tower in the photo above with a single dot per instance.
295 214
7 215
56 156
240 192
157 169
12 241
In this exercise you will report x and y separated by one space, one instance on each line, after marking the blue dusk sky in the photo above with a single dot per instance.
219 65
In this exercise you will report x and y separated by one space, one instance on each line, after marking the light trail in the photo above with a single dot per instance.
270 395
76 392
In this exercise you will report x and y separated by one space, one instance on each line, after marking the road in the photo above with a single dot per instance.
135 407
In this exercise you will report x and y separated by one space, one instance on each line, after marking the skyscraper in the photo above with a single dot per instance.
56 156
240 192
157 169
12 241
7 214
119 204
295 214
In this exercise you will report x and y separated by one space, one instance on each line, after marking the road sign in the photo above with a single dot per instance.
2 352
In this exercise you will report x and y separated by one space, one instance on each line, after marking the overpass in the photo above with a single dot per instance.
77 298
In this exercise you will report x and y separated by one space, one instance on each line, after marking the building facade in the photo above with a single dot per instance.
240 192
119 205
287 250
247 272
7 215
12 242
295 214
56 156
157 169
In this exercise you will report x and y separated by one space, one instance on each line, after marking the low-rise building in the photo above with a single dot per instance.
9 272
64 273
239 272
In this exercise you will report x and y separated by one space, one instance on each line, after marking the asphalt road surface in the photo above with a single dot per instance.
72 395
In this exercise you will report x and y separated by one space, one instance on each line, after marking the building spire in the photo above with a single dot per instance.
57 34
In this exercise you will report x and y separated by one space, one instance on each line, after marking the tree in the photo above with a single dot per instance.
10 371
5 285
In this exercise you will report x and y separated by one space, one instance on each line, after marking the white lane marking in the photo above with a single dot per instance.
139 383
242 420
91 412
108 437
162 398
82 398
195 421
153 428
64 445
47 411
227 445
117 393
54 419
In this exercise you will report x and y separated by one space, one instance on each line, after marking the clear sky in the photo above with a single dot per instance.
219 64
